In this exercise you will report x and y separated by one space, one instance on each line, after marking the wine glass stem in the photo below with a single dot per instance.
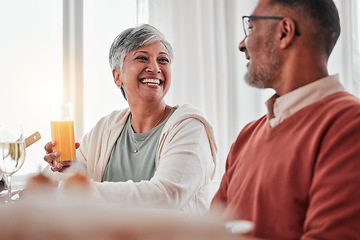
8 179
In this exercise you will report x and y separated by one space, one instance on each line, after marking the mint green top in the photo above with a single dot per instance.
124 163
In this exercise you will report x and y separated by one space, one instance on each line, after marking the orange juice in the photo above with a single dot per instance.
63 133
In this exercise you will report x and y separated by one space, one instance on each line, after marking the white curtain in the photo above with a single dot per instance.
208 70
346 55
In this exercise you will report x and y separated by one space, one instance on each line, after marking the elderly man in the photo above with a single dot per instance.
295 173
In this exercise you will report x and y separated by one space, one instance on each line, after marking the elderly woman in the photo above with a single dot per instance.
150 154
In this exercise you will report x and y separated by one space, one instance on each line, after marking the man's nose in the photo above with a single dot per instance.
242 45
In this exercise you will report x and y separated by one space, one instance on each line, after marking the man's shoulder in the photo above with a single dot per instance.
340 103
256 123
336 114
250 129
341 98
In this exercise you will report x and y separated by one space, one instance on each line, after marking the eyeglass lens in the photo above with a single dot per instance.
246 25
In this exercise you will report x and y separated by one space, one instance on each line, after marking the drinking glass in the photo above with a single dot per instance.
62 132
12 151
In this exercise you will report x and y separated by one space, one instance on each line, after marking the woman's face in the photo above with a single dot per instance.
146 74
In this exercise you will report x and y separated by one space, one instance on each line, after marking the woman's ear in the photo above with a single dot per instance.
117 77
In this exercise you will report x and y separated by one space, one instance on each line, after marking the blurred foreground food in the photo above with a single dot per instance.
44 219
43 212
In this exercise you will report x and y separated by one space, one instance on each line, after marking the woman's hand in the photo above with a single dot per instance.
50 156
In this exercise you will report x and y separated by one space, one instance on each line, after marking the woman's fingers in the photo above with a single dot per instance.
57 168
49 158
49 146
50 155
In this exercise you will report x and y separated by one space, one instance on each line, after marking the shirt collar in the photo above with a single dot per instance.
282 107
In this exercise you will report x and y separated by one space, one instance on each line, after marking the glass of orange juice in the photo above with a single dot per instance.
62 131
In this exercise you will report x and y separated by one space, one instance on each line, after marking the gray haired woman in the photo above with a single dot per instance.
150 154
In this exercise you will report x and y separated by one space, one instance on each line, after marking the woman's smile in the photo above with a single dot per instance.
151 81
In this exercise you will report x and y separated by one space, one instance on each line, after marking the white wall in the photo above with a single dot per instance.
103 21
30 67
31 64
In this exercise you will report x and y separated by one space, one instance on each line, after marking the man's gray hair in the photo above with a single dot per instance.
133 38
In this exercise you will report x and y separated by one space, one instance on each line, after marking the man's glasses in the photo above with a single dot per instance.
246 23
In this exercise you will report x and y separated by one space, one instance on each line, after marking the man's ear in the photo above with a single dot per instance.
287 32
117 77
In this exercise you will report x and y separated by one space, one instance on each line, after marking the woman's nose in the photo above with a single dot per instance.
242 45
153 67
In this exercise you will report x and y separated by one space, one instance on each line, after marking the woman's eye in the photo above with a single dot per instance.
164 60
141 58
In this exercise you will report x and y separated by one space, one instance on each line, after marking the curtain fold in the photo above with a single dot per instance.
352 41
345 58
208 69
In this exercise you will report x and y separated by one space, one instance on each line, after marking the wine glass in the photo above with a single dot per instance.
12 151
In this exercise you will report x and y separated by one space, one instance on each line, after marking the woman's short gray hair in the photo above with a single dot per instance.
133 38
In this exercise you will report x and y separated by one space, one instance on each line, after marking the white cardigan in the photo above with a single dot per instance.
185 163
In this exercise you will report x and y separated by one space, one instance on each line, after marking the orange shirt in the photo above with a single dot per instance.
300 178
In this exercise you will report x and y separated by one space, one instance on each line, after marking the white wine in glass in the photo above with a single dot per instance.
12 152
